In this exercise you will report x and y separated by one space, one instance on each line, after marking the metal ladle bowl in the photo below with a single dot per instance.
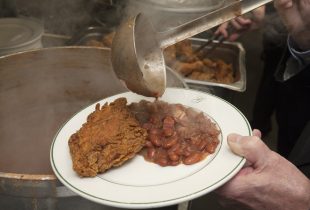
137 57
137 49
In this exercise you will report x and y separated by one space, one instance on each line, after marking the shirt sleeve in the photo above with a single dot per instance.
302 57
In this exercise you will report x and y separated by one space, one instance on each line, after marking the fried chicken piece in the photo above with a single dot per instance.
184 50
180 52
187 68
224 72
111 136
209 76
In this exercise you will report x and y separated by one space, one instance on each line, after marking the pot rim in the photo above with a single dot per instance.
39 177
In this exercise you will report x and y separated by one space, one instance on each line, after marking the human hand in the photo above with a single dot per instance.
295 16
234 28
238 26
268 181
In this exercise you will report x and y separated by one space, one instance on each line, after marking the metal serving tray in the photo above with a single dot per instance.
230 52
90 33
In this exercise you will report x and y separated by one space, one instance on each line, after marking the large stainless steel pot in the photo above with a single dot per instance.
39 91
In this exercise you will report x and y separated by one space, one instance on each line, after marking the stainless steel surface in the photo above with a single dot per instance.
167 14
54 40
184 5
217 39
231 10
90 33
139 46
230 52
136 48
18 34
39 91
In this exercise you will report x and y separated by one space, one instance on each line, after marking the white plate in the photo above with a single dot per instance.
141 184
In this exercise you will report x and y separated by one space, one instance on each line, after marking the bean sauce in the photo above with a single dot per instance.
176 134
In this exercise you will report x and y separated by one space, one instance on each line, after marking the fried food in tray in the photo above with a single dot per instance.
105 41
109 138
182 58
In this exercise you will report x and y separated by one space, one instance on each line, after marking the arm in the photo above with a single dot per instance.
268 181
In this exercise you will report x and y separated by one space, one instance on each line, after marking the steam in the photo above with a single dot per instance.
58 16
70 16
167 14
161 19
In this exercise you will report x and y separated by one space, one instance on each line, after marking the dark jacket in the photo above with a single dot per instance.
300 154
294 110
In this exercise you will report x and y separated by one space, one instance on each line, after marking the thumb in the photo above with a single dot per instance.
250 147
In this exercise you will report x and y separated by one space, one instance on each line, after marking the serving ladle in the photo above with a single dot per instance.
137 49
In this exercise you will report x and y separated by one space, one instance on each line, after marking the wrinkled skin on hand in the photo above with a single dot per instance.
295 15
268 181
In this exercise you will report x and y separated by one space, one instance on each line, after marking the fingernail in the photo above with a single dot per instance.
234 144
234 138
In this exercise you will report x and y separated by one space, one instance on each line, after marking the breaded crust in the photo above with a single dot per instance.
110 137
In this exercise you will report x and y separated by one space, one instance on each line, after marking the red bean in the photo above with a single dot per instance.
154 119
186 153
174 163
151 153
162 161
210 148
168 122
169 142
174 148
173 156
202 145
193 158
155 140
168 131
148 144
154 131
195 140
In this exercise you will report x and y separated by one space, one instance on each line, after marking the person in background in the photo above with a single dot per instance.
268 180
293 74
276 93
274 36
274 44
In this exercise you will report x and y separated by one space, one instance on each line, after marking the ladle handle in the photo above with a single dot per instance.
210 20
